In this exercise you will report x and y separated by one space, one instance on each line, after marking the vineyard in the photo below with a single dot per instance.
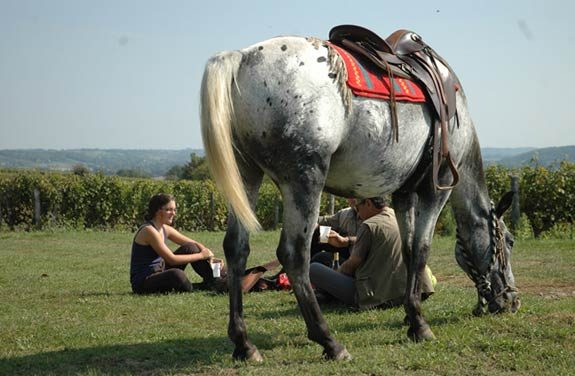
42 200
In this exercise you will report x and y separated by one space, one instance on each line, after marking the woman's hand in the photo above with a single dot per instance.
206 253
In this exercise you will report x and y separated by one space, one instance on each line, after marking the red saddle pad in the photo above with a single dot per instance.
366 81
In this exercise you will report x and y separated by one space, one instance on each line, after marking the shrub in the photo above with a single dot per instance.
547 200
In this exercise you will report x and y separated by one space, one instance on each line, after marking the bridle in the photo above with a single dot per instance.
498 254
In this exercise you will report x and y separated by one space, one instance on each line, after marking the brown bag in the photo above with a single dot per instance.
253 279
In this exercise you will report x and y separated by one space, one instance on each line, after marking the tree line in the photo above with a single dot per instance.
38 200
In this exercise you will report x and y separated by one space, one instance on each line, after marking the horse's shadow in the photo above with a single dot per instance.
150 358
166 356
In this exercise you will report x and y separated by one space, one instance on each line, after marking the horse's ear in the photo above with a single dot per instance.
504 204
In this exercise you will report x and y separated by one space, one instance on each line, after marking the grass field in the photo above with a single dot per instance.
67 309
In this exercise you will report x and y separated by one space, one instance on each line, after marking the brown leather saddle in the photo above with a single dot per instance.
404 54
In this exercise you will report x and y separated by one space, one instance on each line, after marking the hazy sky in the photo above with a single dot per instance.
126 73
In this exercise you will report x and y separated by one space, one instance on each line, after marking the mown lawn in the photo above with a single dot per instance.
67 309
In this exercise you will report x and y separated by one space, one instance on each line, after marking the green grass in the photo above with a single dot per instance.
67 309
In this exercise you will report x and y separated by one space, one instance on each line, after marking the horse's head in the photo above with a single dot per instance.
490 267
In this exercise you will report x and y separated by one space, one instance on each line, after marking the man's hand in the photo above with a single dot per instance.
336 240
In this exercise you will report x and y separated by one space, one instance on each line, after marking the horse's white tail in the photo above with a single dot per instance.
217 117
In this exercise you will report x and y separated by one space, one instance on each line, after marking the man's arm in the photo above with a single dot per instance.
358 253
330 220
336 240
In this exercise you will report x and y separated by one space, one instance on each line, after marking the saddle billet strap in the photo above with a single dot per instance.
438 153
392 104
426 60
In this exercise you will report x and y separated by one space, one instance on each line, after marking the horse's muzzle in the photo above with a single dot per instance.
507 301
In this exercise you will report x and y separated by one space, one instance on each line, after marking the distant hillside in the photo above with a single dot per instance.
496 154
544 157
108 161
157 162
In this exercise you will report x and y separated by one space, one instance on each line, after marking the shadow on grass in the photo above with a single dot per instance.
84 294
170 356
145 358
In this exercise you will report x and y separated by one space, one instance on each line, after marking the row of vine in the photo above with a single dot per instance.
547 198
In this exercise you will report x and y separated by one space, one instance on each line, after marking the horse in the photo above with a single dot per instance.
277 108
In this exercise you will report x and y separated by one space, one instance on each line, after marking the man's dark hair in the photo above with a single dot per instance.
378 201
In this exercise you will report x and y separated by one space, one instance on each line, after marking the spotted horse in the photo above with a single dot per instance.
279 108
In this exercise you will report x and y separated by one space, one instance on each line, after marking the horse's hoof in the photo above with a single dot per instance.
255 357
252 355
423 333
343 354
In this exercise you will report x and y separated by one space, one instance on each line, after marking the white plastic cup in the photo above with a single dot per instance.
324 233
216 268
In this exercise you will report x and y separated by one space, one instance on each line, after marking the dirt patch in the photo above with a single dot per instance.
460 280
555 290
547 290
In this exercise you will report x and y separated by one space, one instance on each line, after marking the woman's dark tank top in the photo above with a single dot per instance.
144 261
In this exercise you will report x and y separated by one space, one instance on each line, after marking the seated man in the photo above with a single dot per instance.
375 274
344 225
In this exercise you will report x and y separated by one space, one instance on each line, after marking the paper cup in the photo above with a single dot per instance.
216 268
324 233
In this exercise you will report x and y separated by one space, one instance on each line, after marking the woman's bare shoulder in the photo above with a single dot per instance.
145 233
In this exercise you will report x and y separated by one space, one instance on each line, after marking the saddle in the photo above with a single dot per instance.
404 54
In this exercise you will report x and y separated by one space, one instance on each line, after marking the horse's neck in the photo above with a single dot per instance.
472 207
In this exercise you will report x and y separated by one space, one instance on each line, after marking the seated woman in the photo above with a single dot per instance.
154 268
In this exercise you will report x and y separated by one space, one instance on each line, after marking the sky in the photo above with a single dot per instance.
126 74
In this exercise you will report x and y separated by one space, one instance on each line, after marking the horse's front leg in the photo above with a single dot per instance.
293 252
236 248
417 216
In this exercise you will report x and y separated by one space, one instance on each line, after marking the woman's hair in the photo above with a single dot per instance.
156 203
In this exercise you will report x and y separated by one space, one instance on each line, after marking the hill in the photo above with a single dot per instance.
496 154
543 157
157 162
109 161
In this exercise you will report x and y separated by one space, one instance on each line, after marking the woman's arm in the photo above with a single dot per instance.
153 238
180 239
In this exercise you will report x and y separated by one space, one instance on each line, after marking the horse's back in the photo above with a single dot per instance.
289 107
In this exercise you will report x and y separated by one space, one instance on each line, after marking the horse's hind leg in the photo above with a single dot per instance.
416 217
301 208
237 249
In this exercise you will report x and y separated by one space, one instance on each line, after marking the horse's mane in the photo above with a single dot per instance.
337 67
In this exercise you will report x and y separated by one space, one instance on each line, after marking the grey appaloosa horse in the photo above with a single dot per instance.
278 108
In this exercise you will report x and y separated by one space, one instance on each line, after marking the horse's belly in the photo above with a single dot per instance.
370 161
373 177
